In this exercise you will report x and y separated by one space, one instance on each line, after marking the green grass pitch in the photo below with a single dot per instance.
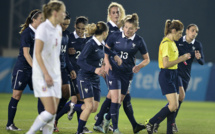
193 118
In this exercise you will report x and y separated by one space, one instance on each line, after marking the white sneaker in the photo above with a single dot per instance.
12 127
71 111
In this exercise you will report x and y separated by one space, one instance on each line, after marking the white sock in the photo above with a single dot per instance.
49 127
40 121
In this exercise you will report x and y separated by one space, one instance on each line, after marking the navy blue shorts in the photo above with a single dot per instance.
116 80
21 78
64 76
88 88
183 83
168 80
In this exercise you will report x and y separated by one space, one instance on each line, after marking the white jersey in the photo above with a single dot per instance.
51 37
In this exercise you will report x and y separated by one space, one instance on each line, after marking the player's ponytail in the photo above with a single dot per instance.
32 15
98 28
174 24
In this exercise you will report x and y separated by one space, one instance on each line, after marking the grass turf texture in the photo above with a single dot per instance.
193 118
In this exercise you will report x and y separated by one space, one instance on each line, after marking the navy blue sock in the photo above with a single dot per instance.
40 106
81 125
176 113
79 112
12 110
77 107
161 115
159 121
114 110
106 105
170 119
129 110
65 109
61 104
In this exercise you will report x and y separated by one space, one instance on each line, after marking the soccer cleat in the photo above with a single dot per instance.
79 133
98 129
149 127
41 129
116 131
156 126
106 124
86 130
174 128
71 111
138 128
12 127
111 128
55 127
96 117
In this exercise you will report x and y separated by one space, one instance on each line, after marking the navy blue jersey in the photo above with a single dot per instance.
78 44
27 40
126 49
91 58
64 59
112 29
183 47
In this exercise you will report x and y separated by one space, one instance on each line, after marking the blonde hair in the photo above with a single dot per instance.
134 19
121 10
97 28
53 5
32 15
174 24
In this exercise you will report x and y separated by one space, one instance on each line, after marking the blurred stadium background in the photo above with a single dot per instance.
152 14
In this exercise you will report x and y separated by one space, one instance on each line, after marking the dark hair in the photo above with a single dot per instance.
190 25
81 19
99 28
174 24
134 19
32 15
67 16
53 5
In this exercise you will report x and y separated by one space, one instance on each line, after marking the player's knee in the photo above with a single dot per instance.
173 107
89 107
94 109
17 95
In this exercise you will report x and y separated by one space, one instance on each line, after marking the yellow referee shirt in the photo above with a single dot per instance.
167 48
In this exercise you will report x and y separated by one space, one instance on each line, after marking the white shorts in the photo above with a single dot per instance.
41 89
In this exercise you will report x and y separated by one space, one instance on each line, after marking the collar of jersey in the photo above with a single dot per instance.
112 23
184 40
32 28
97 41
131 38
76 35
50 24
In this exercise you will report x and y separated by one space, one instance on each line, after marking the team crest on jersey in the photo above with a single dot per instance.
193 48
44 88
133 45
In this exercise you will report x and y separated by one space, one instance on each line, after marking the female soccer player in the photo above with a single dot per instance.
126 44
91 64
168 63
187 43
22 71
46 65
76 42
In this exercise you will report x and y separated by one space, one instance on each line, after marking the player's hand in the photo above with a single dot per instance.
49 80
107 67
72 51
197 54
118 60
73 74
185 57
136 69
100 71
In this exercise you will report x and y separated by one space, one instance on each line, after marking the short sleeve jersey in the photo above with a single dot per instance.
51 37
126 49
167 48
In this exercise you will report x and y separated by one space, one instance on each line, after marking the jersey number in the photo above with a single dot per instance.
78 54
124 55
101 61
